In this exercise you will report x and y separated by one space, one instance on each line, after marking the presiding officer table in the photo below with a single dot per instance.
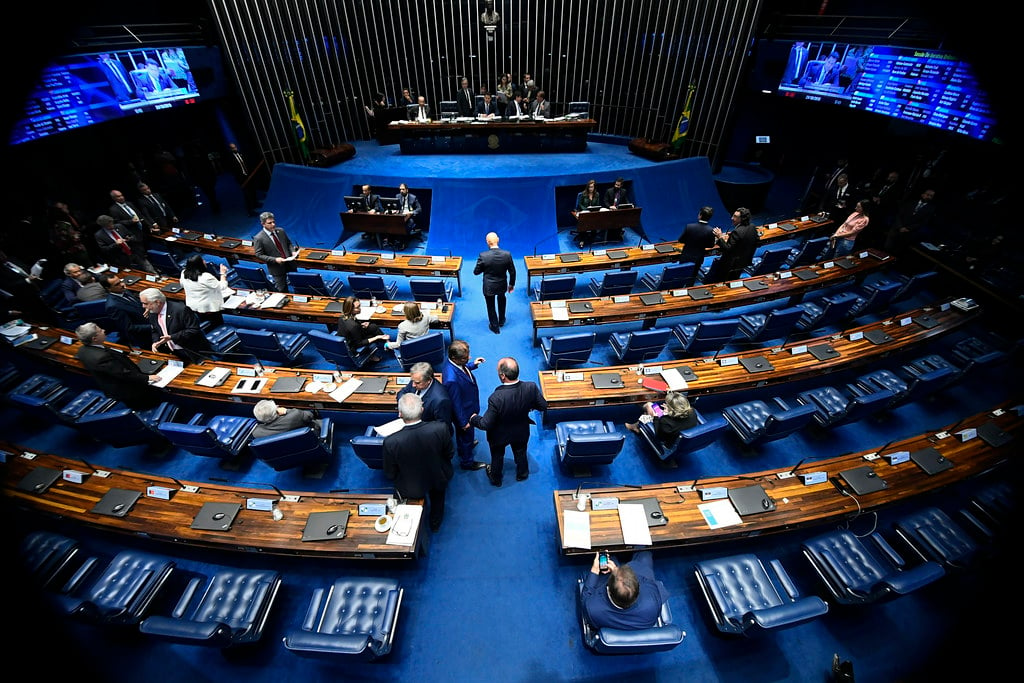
493 136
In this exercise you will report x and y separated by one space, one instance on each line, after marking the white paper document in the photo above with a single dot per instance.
633 519
559 313
346 389
577 529
719 513
406 526
166 374
674 380
389 428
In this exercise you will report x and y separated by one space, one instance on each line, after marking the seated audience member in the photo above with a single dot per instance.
65 230
71 283
737 247
116 374
667 421
91 290
174 327
516 108
275 419
204 293
126 311
121 245
625 597
540 108
415 324
589 198
358 334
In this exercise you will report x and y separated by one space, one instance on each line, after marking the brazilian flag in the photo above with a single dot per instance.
683 125
298 127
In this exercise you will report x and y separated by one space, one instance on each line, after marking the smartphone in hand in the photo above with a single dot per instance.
602 562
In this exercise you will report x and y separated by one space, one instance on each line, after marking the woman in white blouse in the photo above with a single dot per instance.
415 324
204 293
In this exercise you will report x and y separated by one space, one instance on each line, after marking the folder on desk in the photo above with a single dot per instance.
231 243
372 385
787 227
805 274
755 285
877 336
130 280
991 434
171 288
654 384
418 261
365 258
652 299
39 480
751 500
846 263
289 384
116 502
823 351
617 254
150 366
581 307
39 343
569 258
318 255
606 380
756 364
190 235
699 293
216 516
930 460
651 505
664 248
862 480
325 526
926 321
333 307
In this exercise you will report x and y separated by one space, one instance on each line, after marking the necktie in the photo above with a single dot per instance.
278 244
241 164
423 112
154 202
162 319
114 235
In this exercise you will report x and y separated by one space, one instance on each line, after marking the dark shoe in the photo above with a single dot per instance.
475 465
522 477
490 478
501 323
495 329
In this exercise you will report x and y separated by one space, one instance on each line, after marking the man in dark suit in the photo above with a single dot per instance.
458 379
697 238
796 63
507 420
617 194
117 376
126 212
437 404
125 309
499 273
273 247
372 200
121 244
275 419
516 107
418 457
738 247
174 327
487 107
911 223
420 112
157 214
242 170
466 99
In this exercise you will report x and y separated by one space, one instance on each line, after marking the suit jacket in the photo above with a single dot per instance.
127 314
643 613
156 210
507 419
738 247
510 110
412 202
495 264
463 390
467 102
541 109
112 251
118 377
266 251
437 404
418 458
697 238
293 418
610 199
146 82
373 202
414 112
484 108
69 287
182 326
119 212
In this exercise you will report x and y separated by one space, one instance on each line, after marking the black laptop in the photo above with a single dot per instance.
318 255
150 366
755 285
606 380
231 243
862 480
366 258
930 460
569 258
216 516
289 384
823 351
757 364
664 248
39 479
699 293
805 274
325 526
751 500
581 307
652 299
372 385
116 502
926 321
652 511
991 434
877 336
418 261
333 307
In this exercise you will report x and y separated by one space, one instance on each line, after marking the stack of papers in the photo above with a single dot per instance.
346 389
14 329
633 520
168 373
389 428
407 522
577 529
274 300
674 380
559 313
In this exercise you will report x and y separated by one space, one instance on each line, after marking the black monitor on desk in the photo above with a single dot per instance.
389 204
355 203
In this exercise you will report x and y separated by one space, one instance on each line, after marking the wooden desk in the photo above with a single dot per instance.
714 378
797 505
376 224
494 136
319 259
306 308
607 219
726 295
653 254
170 520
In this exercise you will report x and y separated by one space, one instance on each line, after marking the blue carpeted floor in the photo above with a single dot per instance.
493 598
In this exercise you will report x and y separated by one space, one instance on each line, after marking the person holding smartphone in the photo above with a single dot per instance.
623 596
665 421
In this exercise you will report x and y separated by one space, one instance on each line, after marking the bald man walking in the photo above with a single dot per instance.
499 273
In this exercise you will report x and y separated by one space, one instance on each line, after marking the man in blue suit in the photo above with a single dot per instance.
125 309
465 394
626 597
437 404
507 420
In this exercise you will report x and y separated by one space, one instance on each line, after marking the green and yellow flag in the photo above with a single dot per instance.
683 125
298 127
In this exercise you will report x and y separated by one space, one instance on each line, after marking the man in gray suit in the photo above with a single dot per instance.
499 273
273 247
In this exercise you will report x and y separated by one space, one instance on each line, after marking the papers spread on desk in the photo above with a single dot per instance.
389 428
168 373
365 313
559 313
719 513
346 389
674 379
14 329
577 529
633 520
233 302
407 521
274 300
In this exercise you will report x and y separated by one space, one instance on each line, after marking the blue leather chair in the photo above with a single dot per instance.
431 289
909 284
369 447
39 385
874 298
228 607
663 636
707 430
833 407
857 572
777 323
769 261
46 556
313 283
120 594
295 448
555 288
827 311
615 282
354 617
674 276
372 286
933 361
430 348
335 350
166 263
221 436
584 443
744 596
120 426
642 345
62 406
223 338
284 348
252 276
904 389
806 253
934 536
974 351
567 349
707 335
757 422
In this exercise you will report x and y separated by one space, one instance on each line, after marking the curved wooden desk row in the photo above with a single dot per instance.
296 307
171 520
797 505
321 259
787 363
652 254
61 354
724 295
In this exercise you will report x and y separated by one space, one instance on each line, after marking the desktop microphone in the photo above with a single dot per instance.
279 492
792 472
540 243
576 495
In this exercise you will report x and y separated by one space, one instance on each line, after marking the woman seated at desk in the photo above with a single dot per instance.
666 422
415 325
358 334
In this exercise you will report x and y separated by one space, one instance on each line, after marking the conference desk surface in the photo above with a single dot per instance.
62 355
301 308
652 254
726 373
493 136
376 224
607 219
724 295
320 259
797 505
171 520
